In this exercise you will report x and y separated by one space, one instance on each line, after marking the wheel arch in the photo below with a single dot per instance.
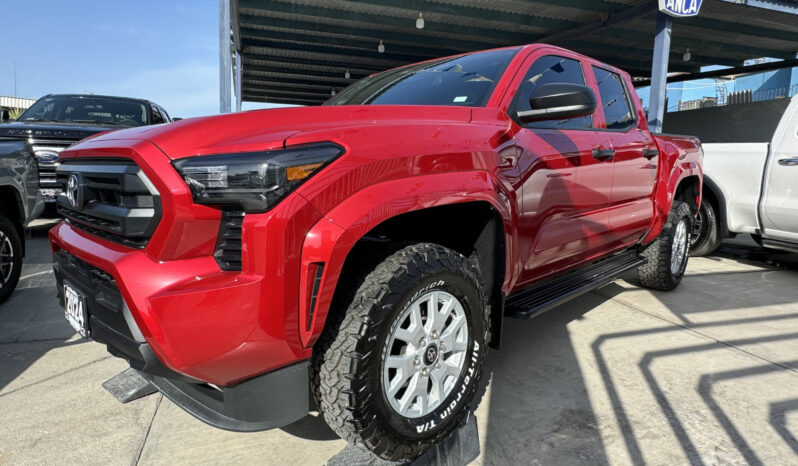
714 195
477 225
12 208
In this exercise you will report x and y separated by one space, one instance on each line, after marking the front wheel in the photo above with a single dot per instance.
10 257
666 257
399 368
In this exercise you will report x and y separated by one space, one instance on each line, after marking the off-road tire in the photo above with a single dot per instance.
656 272
8 229
346 365
709 238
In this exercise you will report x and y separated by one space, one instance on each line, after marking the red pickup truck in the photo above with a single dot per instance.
361 255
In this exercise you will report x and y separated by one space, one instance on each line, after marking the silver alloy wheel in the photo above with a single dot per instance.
6 258
425 354
679 248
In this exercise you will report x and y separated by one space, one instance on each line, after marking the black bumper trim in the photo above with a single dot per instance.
264 402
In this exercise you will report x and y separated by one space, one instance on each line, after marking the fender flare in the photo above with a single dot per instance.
332 238
716 191
665 195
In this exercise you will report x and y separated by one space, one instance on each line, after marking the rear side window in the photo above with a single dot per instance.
550 69
617 111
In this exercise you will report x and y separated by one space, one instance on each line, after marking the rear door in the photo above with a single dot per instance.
634 166
564 189
779 211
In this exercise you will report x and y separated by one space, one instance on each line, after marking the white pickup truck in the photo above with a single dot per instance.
750 173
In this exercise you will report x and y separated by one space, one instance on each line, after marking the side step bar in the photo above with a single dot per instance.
540 297
780 245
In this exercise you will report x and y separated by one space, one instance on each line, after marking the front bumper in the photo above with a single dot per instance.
263 402
198 321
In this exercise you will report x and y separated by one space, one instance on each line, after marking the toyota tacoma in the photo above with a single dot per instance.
359 257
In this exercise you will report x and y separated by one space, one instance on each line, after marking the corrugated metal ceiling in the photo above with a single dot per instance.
298 51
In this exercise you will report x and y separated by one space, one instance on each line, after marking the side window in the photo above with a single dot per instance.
156 117
617 111
550 69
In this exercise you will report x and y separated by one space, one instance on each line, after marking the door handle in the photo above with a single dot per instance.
650 153
603 154
788 162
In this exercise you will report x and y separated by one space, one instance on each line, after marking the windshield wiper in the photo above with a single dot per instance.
39 120
101 122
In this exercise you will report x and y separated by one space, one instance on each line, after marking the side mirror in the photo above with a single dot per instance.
558 101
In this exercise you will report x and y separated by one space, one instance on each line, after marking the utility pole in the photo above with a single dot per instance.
15 78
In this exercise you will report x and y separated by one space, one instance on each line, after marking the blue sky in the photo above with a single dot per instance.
166 51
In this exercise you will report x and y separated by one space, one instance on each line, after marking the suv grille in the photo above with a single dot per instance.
111 198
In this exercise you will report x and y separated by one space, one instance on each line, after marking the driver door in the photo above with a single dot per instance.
565 189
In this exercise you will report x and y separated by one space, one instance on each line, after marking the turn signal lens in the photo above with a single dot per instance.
301 172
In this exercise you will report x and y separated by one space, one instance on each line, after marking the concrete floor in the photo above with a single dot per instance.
707 374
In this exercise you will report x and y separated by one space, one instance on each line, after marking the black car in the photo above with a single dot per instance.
56 121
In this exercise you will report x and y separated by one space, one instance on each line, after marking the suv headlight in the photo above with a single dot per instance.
256 181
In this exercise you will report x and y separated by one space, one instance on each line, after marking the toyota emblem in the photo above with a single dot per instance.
73 191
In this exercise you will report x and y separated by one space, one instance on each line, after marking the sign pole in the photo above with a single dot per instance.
659 73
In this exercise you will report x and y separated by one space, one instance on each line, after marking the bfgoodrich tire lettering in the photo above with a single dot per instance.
659 272
348 360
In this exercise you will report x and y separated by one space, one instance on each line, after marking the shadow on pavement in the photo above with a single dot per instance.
32 321
539 411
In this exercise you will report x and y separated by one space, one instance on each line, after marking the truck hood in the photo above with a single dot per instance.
269 129
55 130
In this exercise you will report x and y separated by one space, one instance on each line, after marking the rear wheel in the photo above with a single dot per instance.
705 236
666 257
397 371
10 257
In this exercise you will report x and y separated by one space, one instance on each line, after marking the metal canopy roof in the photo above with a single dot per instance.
298 51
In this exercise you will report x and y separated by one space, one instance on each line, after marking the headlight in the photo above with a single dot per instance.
256 181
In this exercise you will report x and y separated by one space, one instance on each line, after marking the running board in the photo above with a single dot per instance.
541 297
780 245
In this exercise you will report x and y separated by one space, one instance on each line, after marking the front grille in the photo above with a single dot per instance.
228 243
46 153
112 199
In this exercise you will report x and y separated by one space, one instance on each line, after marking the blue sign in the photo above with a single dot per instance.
681 8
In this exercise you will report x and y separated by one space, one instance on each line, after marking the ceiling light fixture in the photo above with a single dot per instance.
346 74
687 55
381 48
333 92
420 21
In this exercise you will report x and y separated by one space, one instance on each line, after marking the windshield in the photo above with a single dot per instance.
87 109
463 81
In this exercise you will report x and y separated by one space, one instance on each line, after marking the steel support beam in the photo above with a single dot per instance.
599 24
239 98
659 73
225 59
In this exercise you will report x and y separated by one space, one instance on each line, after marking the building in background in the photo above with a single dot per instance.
12 107
729 90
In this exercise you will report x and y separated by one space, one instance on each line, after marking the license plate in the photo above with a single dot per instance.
75 310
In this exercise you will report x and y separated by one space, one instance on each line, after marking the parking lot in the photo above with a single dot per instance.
707 374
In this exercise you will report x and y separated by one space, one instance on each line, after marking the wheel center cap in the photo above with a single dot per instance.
431 354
